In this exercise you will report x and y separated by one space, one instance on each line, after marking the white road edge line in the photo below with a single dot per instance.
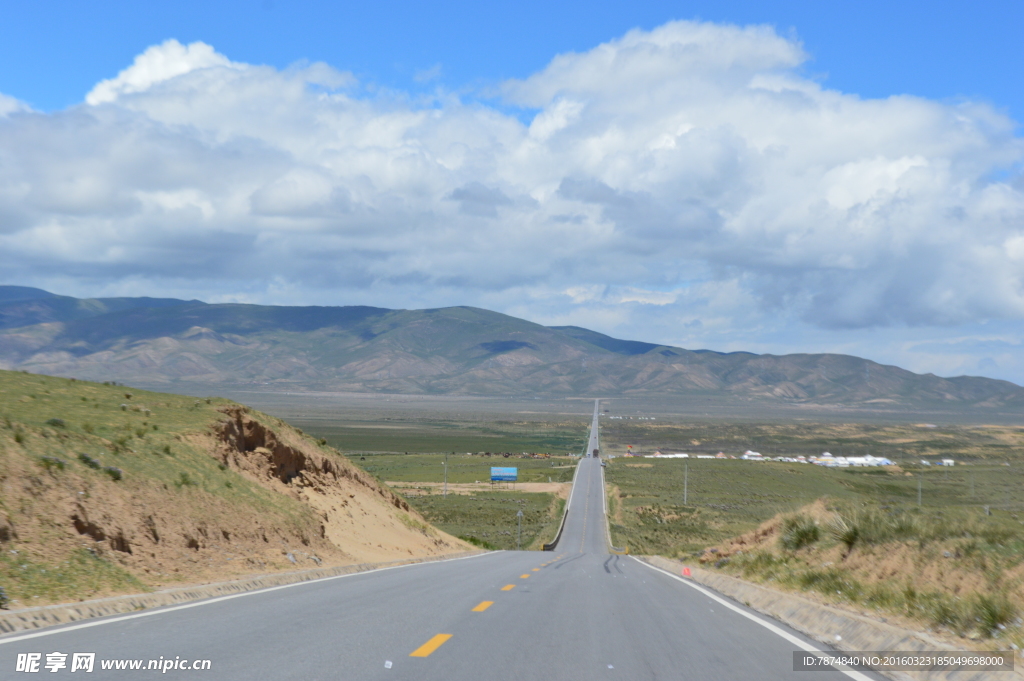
852 673
607 520
572 491
161 610
604 502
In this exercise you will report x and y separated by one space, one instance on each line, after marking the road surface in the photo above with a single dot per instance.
574 613
594 440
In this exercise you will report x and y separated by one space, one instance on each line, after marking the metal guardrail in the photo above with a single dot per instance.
617 550
565 513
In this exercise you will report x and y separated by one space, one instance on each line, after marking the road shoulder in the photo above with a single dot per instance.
835 627
27 619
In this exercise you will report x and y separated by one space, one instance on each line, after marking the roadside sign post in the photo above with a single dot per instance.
503 474
686 480
519 537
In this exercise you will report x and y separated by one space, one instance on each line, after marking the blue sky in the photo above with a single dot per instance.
784 177
54 52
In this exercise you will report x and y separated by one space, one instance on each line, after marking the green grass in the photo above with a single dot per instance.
485 518
870 511
81 575
799 531
730 497
985 614
462 468
432 435
491 516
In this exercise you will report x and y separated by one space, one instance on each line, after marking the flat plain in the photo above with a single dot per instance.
938 546
935 546
932 546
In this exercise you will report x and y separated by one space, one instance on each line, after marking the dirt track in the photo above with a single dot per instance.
559 489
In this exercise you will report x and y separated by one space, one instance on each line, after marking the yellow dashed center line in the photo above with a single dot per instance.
536 569
483 606
430 646
524 576
508 587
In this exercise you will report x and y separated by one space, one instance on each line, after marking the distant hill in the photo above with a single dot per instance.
11 294
457 350
23 306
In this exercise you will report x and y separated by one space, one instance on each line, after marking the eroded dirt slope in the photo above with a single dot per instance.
357 514
106 490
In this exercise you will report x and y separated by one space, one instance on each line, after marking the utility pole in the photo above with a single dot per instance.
686 480
519 537
445 475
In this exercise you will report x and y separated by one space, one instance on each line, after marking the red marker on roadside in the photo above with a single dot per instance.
686 572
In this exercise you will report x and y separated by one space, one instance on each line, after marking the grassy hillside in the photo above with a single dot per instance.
854 536
726 498
105 489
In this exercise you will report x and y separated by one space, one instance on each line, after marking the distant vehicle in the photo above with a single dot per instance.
595 452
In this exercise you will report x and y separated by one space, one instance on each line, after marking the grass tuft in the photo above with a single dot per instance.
994 612
843 532
89 461
52 463
799 531
477 542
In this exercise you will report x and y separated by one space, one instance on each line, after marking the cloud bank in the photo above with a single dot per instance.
689 177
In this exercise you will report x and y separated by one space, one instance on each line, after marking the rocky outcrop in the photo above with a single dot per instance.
250 446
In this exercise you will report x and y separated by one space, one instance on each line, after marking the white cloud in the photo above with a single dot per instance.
9 105
427 75
685 184
559 115
157 64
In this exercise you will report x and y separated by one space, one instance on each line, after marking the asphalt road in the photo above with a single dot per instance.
594 441
575 613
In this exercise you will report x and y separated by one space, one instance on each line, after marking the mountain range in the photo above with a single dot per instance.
455 350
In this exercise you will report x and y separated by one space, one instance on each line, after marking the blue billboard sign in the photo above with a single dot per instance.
499 474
